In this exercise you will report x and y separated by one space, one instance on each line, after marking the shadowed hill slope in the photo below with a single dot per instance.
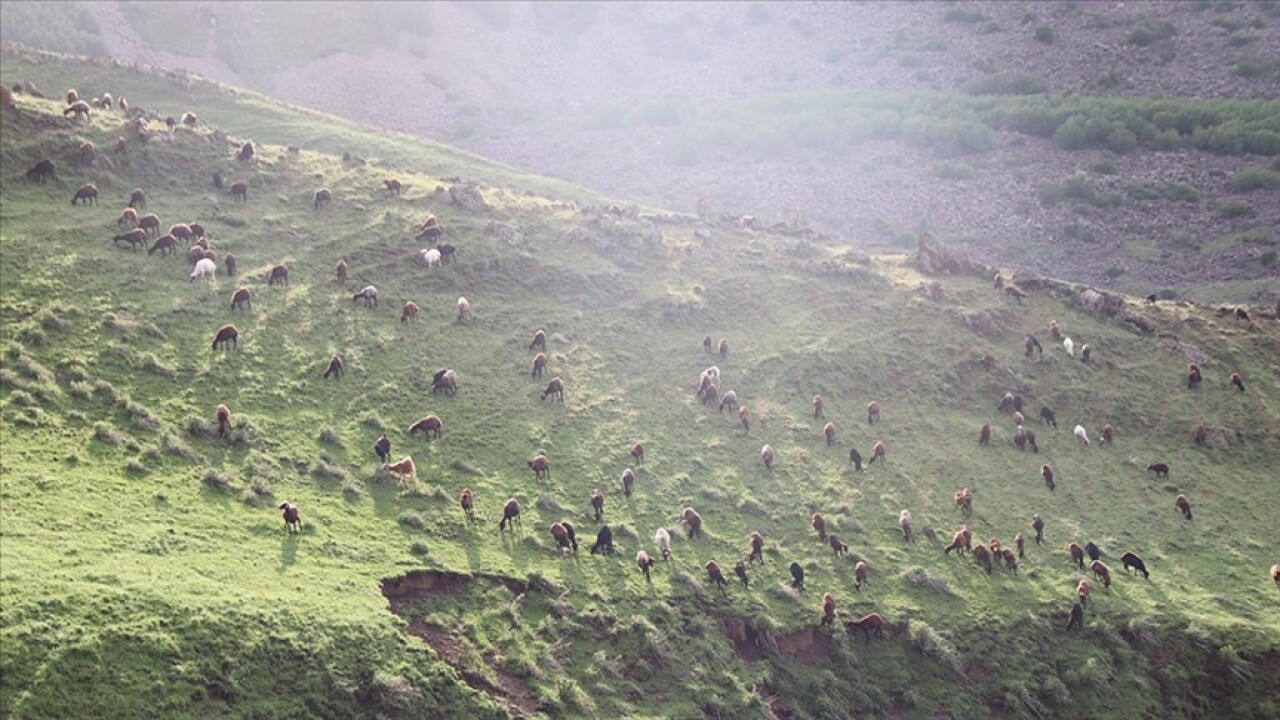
146 570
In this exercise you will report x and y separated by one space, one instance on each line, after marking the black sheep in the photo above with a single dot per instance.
604 541
1076 621
1130 560
383 448
741 571
797 576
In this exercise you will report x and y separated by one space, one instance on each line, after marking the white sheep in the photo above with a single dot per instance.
430 256
464 309
205 267
663 539
1070 347
712 373
1081 435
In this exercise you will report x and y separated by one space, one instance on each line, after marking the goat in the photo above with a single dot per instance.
860 573
279 274
138 199
818 407
757 547
369 294
663 540
555 390
227 334
1092 550
292 517
878 452
597 503
982 556
402 469
1160 469
1102 572
645 563
224 420
563 539
1183 505
716 575
42 171
873 412
464 309
964 501
1131 560
510 515
904 524
540 466
959 542
766 455
427 426
467 502
1081 435
692 521
446 381
984 435
149 222
334 369
241 298
1108 434
604 541
410 312
628 481
819 525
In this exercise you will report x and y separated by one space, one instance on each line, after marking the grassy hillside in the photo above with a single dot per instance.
146 571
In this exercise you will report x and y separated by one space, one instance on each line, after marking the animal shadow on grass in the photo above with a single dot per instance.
288 552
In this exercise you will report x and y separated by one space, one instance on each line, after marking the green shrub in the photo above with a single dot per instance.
409 518
1178 192
1006 84
1104 167
1234 210
1150 31
953 171
1267 258
1113 272
1253 67
1073 188
1044 34
963 14
1253 179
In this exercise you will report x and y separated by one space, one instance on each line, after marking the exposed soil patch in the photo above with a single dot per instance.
807 646
404 590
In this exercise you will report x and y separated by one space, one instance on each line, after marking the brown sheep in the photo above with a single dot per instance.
637 453
244 155
279 274
819 525
1077 554
994 544
628 482
86 153
393 186
122 146
745 416
1083 588
1275 574
230 262
410 312
1242 314
878 452
869 624
1015 293
860 573
340 270
539 365
904 524
984 435
1235 380
149 222
964 501
189 119
1006 403
203 244
510 515
982 556
240 191
134 237
757 547
539 341
467 501
1202 435
818 405
1046 472
427 426
999 282
445 381
224 420
1193 376
838 546
716 575
828 609
1019 542
321 199
958 543
195 254
645 563
873 412
402 469
1010 561
766 456
540 466
1029 437
1108 434
724 348
335 368
183 232
227 334
829 430
597 503
1183 505
292 518
693 521
241 298
1131 560
87 194
128 218
563 539
1038 525
1054 332
1102 572
138 199
555 390
72 97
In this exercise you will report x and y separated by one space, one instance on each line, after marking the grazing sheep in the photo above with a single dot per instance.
1054 331
904 524
1086 353
241 298
224 420
1183 505
1131 560
1046 472
692 521
1017 403
637 453
1077 554
959 543
1038 525
999 282
204 268
427 426
279 274
429 257
1108 434
988 361
645 563
540 466
467 502
1076 620
128 218
149 222
123 105
716 575
628 482
334 368
855 459
72 97
1032 343
1069 346
818 406
797 576
555 390
1019 418
382 446
183 232
828 609
1048 417
563 539
706 344
1081 435
1092 550
597 503
410 312
604 541
240 192
430 229
1102 572
873 412
42 171
539 341
1202 435
984 435
1242 314
829 430
878 452
510 515
1235 380
292 518
244 154
122 146
709 394
1083 588
402 469
982 556
80 108
464 309
171 122
964 501
340 271
136 238
1193 376
189 119
539 365
838 546
1160 469
227 334
194 255
819 525
745 416
1019 543
446 381
740 569
138 199
1014 293
870 624
766 455
1006 403
729 400
393 186
663 540
86 195
860 573
230 262
757 547
369 294
724 348
994 545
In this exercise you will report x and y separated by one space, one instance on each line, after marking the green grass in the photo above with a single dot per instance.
146 572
